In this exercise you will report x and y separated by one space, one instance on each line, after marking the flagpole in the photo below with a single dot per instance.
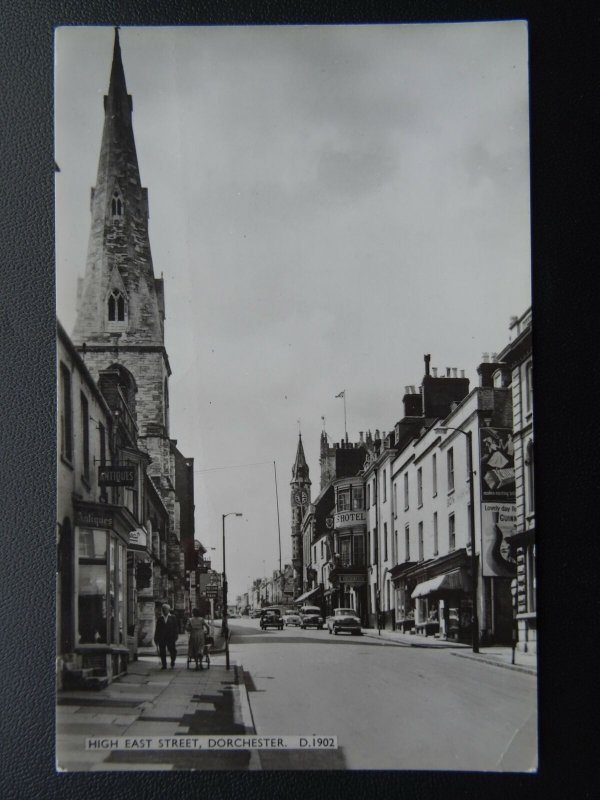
345 425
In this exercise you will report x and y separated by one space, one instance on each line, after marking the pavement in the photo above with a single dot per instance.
498 655
148 701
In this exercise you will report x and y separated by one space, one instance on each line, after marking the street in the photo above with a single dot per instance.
391 706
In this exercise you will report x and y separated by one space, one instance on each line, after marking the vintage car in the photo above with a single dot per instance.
311 617
291 618
344 619
271 618
255 613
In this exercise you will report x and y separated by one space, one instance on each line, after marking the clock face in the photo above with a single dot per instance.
301 497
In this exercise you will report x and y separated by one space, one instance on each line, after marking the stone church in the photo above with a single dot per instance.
121 313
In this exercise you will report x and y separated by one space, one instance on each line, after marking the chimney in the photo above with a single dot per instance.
485 371
462 373
434 370
427 360
360 437
447 372
377 432
413 403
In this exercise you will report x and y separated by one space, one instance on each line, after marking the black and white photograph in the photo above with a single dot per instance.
295 517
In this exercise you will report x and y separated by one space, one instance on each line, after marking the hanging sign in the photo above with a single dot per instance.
117 476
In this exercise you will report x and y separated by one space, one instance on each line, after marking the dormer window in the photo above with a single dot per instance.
116 205
116 306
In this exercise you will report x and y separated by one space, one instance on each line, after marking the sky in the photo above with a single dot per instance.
327 205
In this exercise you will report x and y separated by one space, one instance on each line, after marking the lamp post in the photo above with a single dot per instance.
224 626
474 614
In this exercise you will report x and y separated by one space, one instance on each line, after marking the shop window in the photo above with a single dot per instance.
435 534
66 414
407 543
434 474
85 437
387 595
91 592
451 470
421 545
451 532
420 487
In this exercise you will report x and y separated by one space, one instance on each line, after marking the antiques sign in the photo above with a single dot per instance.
116 476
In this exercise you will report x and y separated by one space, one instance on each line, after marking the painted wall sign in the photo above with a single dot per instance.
497 465
498 520
349 518
94 519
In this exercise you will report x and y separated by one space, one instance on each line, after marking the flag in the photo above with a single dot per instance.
341 394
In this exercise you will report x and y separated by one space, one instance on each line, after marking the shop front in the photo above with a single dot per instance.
103 617
434 597
349 590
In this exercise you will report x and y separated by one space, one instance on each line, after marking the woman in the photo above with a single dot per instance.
197 628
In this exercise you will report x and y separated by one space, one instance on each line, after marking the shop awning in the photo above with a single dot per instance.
455 581
306 595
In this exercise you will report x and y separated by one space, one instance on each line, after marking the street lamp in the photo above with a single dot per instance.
474 615
224 626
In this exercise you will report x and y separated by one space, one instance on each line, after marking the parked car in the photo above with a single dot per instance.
291 618
255 613
311 617
271 618
344 619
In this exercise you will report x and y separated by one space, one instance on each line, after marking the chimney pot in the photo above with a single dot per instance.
434 370
462 373
494 357
454 371
447 372
485 358
427 360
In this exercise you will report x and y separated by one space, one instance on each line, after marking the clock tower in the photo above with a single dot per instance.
300 500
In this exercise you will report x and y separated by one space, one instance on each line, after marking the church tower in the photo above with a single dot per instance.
300 500
120 303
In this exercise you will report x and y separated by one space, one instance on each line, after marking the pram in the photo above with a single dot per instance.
205 656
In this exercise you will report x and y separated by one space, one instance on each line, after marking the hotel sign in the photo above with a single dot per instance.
116 476
345 518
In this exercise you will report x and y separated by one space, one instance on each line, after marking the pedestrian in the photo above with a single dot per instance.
197 628
165 635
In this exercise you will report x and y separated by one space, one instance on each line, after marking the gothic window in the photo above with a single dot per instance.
116 306
116 205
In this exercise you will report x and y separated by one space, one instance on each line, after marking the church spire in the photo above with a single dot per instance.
119 294
300 468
